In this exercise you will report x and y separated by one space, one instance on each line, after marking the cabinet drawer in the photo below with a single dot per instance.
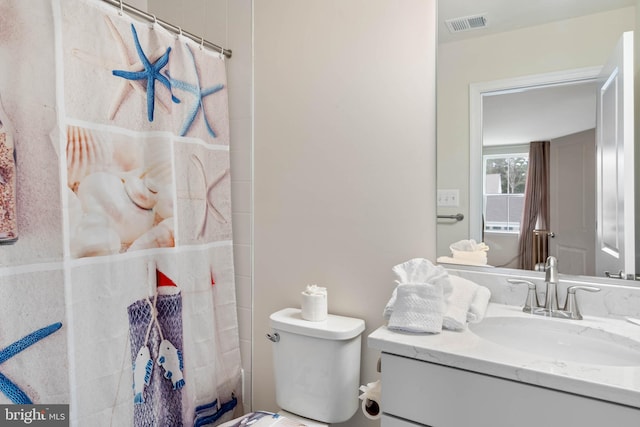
441 396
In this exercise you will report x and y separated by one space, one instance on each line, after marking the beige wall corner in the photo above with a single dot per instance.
344 159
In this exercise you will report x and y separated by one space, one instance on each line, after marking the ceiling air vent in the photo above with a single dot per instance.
466 23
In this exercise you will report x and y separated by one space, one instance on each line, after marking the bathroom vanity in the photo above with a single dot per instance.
513 369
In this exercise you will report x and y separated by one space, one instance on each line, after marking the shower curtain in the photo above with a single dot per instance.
118 297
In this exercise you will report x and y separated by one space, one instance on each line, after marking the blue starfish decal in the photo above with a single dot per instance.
151 73
7 387
199 94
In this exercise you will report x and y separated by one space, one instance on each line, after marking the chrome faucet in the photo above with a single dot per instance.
551 280
551 308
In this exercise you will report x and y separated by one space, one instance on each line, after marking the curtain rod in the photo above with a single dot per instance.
173 28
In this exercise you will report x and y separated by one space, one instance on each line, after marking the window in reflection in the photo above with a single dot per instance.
505 177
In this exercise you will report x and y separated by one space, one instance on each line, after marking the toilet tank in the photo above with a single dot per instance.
317 365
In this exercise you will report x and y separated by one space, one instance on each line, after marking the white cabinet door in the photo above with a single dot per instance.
388 421
441 396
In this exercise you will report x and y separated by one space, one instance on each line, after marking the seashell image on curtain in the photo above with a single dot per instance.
120 194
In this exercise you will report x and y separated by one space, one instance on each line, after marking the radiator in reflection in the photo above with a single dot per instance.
540 248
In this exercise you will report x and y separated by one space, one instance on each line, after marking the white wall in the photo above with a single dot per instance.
344 159
138 4
562 45
344 156
228 23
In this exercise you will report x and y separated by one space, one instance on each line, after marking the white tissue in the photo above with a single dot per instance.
314 303
371 398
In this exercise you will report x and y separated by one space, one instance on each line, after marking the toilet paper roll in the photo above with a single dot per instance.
314 303
371 409
371 400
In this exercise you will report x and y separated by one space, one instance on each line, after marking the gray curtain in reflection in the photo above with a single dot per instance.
535 214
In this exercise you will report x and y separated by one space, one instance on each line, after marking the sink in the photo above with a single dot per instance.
560 340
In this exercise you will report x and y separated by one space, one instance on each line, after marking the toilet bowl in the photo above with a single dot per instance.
316 366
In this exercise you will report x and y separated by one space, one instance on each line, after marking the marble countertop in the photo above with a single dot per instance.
466 350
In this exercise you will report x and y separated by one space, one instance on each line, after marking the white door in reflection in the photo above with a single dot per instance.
572 207
616 235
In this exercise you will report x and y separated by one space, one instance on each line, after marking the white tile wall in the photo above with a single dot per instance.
229 23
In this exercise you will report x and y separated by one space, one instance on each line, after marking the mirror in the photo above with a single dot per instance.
490 55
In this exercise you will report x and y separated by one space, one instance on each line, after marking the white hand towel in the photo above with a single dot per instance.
451 260
458 302
471 257
468 251
388 309
418 308
468 246
479 305
421 270
417 270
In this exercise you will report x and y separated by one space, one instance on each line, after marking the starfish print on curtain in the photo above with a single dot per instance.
199 94
151 73
8 387
127 85
209 207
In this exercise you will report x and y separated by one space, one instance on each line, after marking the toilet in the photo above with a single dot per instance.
316 366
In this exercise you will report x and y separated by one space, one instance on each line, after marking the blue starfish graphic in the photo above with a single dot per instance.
7 387
151 73
199 94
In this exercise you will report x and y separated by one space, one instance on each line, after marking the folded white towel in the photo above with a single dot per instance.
458 302
388 309
468 246
417 270
418 307
475 257
421 270
469 252
478 307
451 260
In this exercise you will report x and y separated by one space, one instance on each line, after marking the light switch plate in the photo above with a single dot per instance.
450 198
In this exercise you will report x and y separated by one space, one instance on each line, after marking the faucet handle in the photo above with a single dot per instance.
571 305
532 296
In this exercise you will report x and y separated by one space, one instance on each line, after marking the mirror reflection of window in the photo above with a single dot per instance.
505 177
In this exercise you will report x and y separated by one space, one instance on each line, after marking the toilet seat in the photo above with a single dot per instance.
264 418
305 421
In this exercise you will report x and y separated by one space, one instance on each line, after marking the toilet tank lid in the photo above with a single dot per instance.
335 327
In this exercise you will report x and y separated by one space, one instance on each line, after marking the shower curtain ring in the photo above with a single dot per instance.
121 8
201 43
179 33
155 21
